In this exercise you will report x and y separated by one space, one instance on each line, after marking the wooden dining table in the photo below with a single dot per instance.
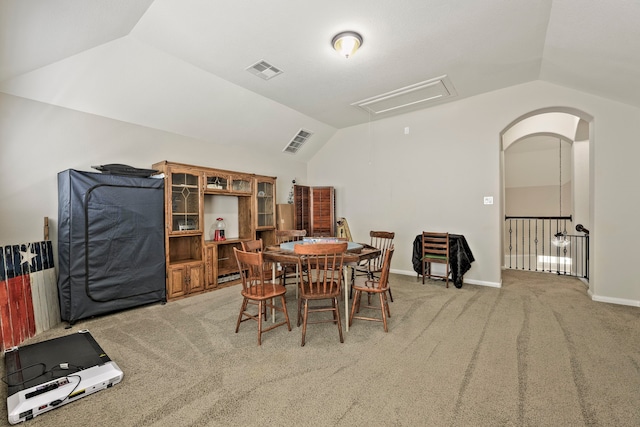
356 253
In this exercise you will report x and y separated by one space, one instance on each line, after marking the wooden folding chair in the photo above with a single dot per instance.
435 249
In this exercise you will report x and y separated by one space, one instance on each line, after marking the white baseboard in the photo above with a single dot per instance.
597 298
483 283
469 281
403 272
611 300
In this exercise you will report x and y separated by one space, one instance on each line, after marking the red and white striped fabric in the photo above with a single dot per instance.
28 292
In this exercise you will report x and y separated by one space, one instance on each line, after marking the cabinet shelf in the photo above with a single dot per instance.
227 270
184 249
225 182
185 261
225 242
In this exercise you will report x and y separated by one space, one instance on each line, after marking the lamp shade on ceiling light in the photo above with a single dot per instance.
347 43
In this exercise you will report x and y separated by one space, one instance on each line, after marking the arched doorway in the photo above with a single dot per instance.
546 182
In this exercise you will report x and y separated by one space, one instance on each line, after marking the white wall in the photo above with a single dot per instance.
581 183
531 179
435 179
432 179
537 167
538 200
39 140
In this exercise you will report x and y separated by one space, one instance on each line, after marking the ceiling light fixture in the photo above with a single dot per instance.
347 43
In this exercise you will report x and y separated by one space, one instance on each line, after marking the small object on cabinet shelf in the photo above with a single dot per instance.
215 183
260 193
187 224
218 230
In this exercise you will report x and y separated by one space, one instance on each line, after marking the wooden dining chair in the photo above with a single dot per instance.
284 236
256 291
435 249
373 286
321 266
257 246
372 268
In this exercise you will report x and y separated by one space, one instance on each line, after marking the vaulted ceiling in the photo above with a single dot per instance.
180 65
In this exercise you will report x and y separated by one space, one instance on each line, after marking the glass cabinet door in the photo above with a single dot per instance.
185 202
265 199
240 184
217 182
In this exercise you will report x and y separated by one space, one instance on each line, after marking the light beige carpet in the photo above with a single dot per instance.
537 352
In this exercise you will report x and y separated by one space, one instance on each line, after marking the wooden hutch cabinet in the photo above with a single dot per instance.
194 198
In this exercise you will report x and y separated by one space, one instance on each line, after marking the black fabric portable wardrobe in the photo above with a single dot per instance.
110 243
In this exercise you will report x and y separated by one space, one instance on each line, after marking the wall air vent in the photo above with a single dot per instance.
415 96
297 141
264 70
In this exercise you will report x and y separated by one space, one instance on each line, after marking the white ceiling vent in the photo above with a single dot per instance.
418 95
264 70
297 141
